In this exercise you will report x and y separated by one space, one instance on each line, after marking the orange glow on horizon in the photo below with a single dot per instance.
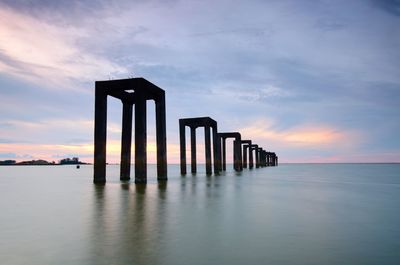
307 135
83 151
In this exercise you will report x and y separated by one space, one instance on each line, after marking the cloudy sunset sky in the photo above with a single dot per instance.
314 81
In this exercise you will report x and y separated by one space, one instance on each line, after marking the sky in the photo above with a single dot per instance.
313 81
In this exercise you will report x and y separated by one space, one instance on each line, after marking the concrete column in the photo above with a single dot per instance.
235 156
217 151
140 141
238 154
126 141
264 160
257 158
223 153
251 162
100 136
207 142
244 156
182 137
161 135
193 148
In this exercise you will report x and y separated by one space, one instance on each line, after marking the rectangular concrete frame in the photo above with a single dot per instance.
254 147
133 91
237 150
194 123
246 144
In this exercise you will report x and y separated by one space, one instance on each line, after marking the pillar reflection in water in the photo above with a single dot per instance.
128 222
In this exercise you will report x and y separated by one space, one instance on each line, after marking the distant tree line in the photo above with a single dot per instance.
65 161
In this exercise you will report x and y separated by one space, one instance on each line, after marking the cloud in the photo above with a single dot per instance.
14 156
47 54
47 131
390 6
303 136
265 92
323 72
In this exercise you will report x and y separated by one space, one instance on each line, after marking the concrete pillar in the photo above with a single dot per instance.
193 148
217 150
223 153
182 136
161 135
257 157
251 162
207 141
237 157
264 158
261 158
126 141
100 136
244 156
140 141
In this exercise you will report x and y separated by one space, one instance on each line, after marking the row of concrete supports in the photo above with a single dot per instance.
136 92
240 148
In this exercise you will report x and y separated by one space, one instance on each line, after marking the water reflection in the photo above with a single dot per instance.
128 223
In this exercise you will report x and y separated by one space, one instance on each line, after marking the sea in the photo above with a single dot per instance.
290 214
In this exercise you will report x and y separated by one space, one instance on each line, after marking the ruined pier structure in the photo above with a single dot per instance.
237 150
133 91
136 92
193 124
262 157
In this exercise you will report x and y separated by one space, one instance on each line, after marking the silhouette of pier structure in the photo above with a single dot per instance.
193 124
133 91
136 92
271 159
245 151
257 155
237 150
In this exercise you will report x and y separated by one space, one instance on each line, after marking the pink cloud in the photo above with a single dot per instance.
320 136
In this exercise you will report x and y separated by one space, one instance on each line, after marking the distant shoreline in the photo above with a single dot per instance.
88 164
293 163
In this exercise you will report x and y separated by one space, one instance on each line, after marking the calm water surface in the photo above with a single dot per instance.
291 214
